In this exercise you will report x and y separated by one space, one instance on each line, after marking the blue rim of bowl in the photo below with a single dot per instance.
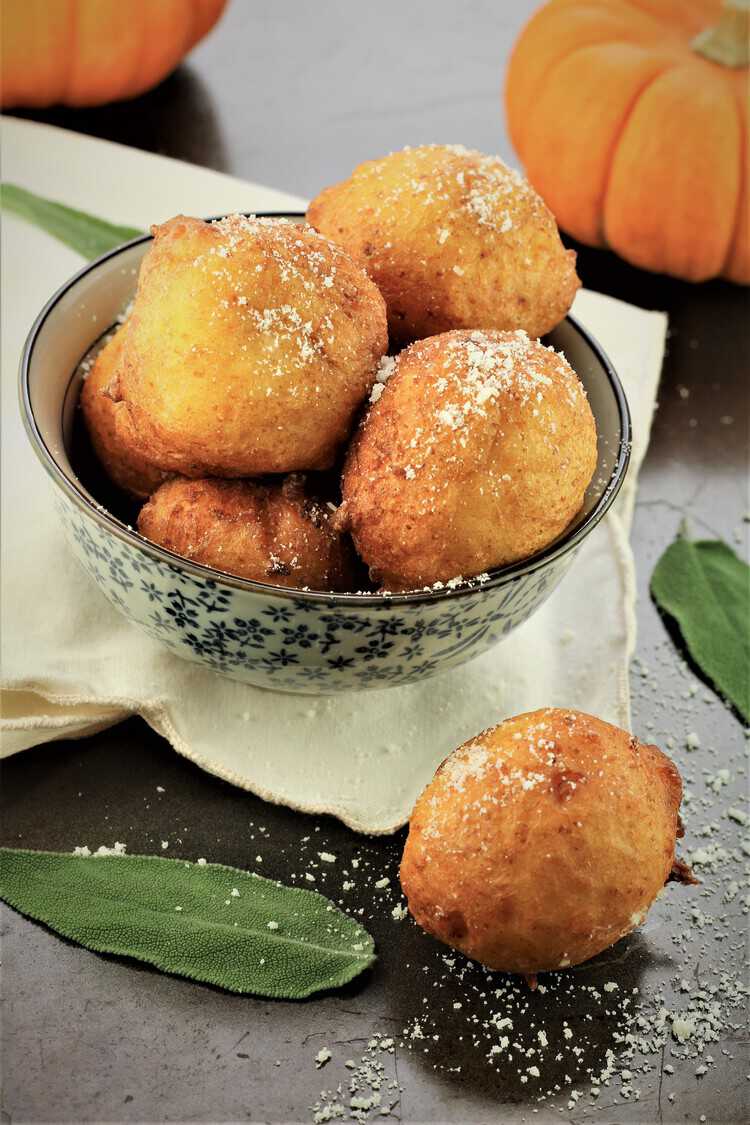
499 576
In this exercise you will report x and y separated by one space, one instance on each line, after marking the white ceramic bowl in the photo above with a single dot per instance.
289 640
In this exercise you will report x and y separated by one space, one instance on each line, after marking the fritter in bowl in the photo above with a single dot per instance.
453 239
269 533
252 342
123 462
542 841
476 453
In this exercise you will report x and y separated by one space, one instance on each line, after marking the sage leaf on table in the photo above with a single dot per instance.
208 922
705 587
84 233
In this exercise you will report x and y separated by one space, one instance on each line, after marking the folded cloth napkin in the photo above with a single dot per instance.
72 665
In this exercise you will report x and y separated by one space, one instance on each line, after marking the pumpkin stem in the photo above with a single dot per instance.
728 43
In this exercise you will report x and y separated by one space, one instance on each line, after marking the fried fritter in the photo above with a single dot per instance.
124 463
453 239
542 841
252 343
476 453
269 533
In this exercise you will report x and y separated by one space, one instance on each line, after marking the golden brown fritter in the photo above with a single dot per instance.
124 464
252 342
269 533
542 841
476 453
453 239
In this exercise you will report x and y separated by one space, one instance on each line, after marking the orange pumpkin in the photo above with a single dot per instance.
86 52
631 120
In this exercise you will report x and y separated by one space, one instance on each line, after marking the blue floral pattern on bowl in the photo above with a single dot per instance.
295 644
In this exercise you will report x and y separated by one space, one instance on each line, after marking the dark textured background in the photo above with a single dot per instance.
294 95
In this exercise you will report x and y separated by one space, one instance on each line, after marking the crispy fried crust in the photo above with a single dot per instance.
252 343
269 533
542 841
122 460
477 453
453 239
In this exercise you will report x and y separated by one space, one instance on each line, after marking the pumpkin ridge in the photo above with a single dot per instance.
131 82
90 52
644 218
594 6
622 124
72 49
734 239
618 137
634 8
656 25
662 20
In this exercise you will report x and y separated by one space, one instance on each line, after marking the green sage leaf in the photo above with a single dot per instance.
84 233
705 587
208 922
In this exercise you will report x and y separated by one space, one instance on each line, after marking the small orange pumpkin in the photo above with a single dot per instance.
631 120
87 52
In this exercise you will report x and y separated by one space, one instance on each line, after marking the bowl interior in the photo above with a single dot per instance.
85 310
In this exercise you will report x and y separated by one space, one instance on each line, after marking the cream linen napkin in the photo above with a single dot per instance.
72 665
